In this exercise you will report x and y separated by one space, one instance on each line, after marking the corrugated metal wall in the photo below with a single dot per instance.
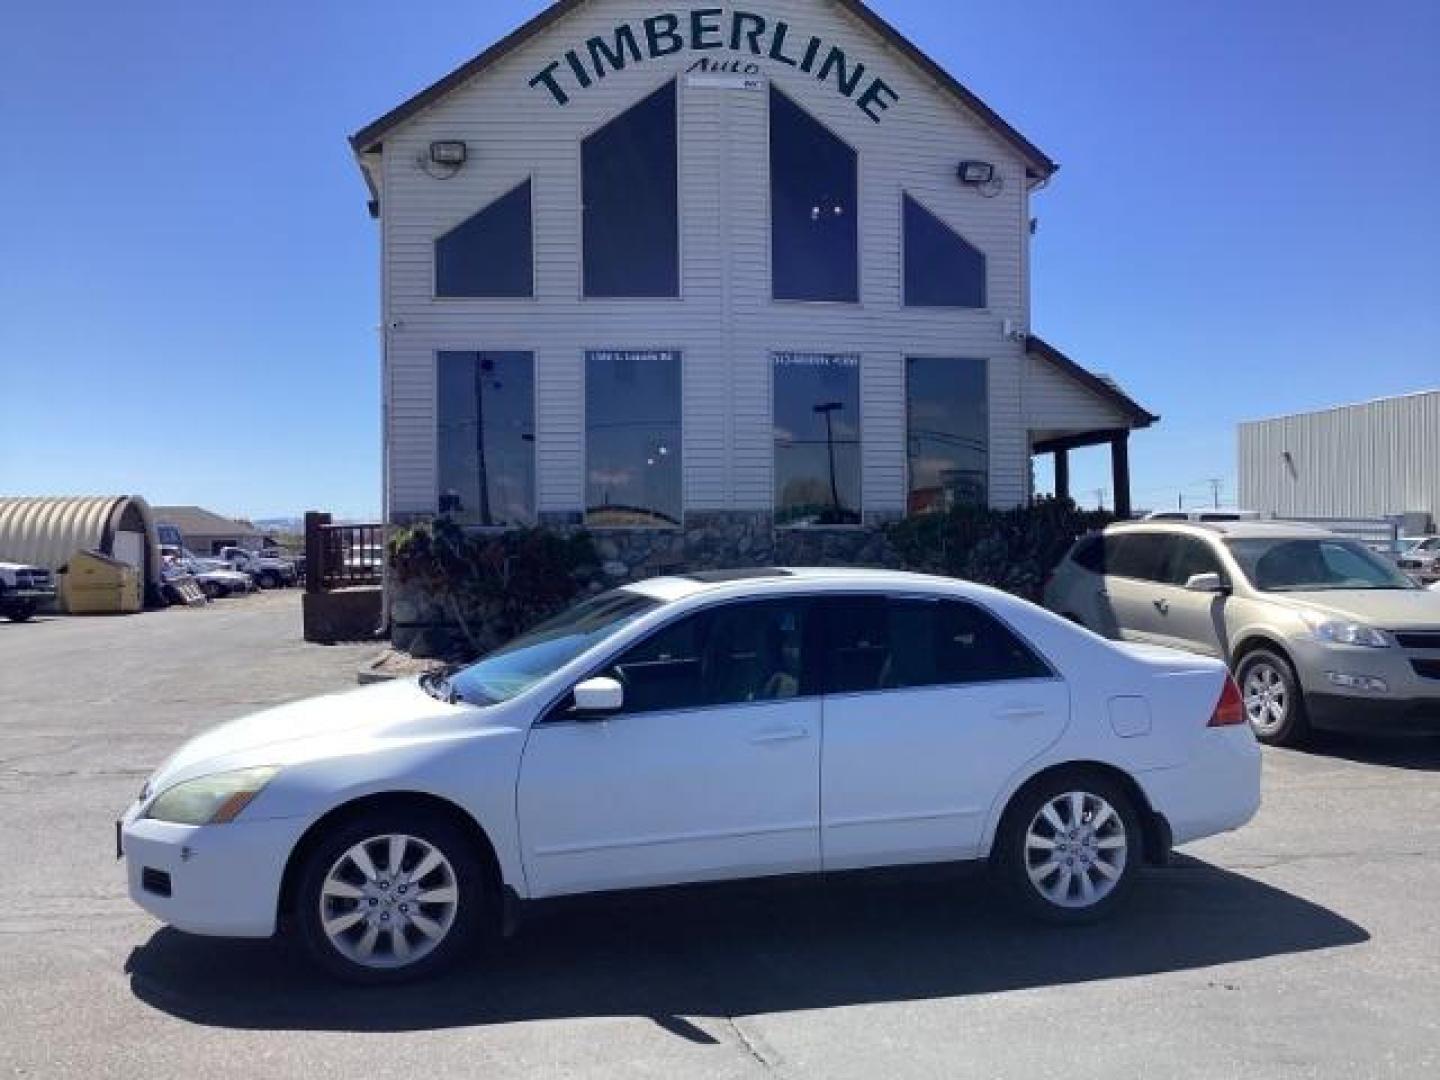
47 532
1370 460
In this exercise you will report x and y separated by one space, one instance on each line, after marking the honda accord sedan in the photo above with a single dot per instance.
697 728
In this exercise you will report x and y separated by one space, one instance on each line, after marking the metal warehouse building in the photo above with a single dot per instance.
1377 459
732 275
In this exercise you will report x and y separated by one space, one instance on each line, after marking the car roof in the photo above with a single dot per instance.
757 581
1239 530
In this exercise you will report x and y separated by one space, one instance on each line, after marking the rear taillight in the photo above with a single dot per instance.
1230 709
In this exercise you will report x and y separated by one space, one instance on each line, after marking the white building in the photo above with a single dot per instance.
1371 460
759 270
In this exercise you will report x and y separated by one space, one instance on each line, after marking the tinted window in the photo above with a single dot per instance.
893 644
489 254
942 268
1089 553
817 439
814 251
1136 555
1187 556
486 435
732 654
948 441
631 202
632 438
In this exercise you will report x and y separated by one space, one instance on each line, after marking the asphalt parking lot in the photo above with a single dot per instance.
1308 944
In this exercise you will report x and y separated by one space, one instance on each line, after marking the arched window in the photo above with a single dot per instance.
942 268
814 239
490 253
630 180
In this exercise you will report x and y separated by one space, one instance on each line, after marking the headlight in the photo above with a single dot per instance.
1340 632
210 800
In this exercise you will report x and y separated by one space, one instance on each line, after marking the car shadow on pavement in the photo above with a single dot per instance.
751 948
1418 752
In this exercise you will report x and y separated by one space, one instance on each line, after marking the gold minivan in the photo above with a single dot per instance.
1320 631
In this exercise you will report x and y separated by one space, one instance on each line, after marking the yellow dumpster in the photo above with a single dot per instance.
95 584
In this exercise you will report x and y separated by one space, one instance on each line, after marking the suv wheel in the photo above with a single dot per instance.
389 897
1274 704
1068 847
269 579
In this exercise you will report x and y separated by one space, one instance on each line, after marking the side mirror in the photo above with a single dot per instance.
600 695
1211 583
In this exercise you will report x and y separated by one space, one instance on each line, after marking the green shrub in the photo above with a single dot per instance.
1012 550
493 584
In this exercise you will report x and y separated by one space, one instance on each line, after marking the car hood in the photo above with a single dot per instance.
1388 609
335 725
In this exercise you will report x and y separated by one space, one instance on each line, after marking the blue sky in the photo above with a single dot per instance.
1245 223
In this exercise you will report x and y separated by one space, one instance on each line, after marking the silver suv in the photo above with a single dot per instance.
1319 630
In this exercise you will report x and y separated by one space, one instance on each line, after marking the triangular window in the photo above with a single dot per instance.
490 253
942 268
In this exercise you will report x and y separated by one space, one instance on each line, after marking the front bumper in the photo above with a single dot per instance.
1358 715
221 880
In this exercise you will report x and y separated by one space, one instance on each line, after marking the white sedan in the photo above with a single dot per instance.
697 728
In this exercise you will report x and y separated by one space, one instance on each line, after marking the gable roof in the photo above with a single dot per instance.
1107 389
197 521
372 135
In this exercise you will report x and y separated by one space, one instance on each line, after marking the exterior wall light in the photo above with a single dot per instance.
448 152
975 172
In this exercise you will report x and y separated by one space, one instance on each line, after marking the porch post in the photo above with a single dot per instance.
1062 474
1120 472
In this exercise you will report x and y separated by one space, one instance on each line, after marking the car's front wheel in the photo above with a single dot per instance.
1068 846
388 897
1273 701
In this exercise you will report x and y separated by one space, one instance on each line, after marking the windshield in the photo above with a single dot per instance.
1315 564
514 668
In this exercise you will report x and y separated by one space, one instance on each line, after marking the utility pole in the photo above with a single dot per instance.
1214 483
1099 498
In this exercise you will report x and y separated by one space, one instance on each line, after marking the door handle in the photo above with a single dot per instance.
1020 712
775 735
1163 606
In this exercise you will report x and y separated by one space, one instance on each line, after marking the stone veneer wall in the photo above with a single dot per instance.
709 540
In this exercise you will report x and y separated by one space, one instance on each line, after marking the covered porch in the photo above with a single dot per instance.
1068 407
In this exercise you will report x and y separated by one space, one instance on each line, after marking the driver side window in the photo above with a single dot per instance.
732 654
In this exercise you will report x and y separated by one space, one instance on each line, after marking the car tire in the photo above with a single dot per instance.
406 938
1271 696
269 580
1069 846
21 611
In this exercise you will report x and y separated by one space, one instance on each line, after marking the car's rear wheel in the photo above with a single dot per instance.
269 580
388 897
1274 703
1068 846
21 610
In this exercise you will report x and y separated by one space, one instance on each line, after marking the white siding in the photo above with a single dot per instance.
726 324
1057 403
1369 460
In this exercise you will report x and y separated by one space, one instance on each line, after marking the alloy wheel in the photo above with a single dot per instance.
1075 849
1267 698
389 901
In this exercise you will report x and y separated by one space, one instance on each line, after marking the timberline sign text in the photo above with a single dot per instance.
705 29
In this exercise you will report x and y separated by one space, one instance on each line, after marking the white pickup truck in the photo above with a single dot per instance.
23 589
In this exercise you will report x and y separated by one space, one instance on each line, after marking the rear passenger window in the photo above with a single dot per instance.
896 644
1136 555
1089 554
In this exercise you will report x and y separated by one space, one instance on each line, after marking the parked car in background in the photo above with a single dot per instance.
1422 559
24 590
270 568
1320 631
214 576
671 731
1203 515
